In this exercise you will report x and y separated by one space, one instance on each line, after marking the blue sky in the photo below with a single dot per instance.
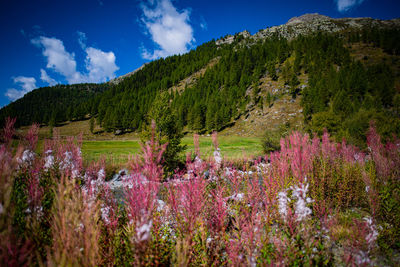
46 42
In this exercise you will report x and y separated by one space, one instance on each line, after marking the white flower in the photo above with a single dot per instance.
301 209
262 167
283 201
49 160
37 210
1 208
101 175
217 157
28 157
67 161
253 262
228 171
105 212
130 185
299 194
74 173
143 232
160 205
95 185
197 162
373 233
237 197
361 258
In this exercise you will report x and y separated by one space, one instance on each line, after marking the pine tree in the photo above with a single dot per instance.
167 132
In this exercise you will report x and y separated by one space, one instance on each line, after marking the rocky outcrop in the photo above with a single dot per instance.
122 77
229 39
310 23
307 18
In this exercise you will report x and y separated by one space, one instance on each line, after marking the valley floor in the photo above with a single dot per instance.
118 148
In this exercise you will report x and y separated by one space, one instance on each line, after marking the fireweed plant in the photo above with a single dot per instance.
313 202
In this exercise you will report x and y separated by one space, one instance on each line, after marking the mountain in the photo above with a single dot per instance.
313 72
310 23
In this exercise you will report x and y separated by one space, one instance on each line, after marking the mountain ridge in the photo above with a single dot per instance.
310 23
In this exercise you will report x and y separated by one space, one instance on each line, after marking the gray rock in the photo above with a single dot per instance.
310 23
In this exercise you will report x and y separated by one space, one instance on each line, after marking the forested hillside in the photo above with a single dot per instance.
339 91
342 94
125 106
51 105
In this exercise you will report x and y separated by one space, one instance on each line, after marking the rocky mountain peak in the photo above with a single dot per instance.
310 23
307 18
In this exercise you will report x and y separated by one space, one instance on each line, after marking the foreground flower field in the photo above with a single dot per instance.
315 202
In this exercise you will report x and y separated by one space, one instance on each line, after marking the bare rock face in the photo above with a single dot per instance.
307 18
225 40
302 25
229 39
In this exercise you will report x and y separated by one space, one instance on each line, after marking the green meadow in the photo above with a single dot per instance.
118 151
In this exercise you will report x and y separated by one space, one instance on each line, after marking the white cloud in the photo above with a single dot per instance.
100 65
46 78
58 59
168 28
27 84
203 23
82 39
13 94
345 5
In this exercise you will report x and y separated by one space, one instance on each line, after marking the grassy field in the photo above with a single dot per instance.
117 148
118 151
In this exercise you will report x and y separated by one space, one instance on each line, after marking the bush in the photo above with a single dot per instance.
326 120
270 142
